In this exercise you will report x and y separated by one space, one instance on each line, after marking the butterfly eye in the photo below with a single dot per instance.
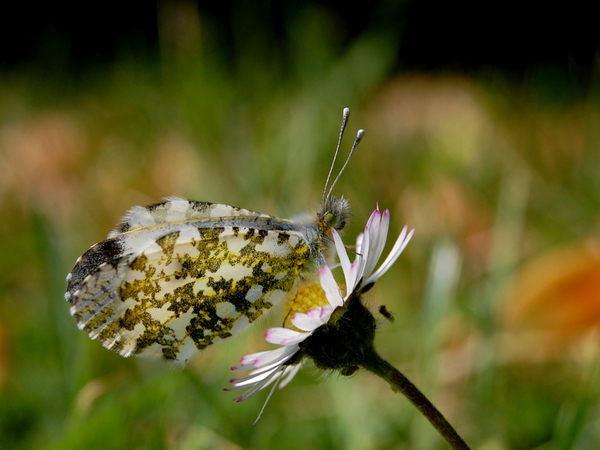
331 220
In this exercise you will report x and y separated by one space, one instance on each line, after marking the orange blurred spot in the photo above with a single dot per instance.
555 300
39 161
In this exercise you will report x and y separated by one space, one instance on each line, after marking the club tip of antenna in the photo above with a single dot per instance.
360 134
346 111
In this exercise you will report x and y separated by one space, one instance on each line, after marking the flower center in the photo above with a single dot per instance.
310 295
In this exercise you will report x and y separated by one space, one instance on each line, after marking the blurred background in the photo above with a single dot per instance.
482 132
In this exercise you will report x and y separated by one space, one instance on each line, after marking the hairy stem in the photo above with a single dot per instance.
377 365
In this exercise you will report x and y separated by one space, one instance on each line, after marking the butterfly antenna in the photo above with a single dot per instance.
359 137
346 115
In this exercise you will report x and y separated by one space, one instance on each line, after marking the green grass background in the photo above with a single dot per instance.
491 172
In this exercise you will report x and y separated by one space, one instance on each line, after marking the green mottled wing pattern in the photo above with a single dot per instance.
176 277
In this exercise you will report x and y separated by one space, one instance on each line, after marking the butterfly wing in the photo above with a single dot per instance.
177 209
173 295
144 225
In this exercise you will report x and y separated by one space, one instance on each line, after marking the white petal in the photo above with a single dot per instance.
261 359
313 318
340 248
258 386
399 247
320 313
361 261
284 336
355 276
332 292
290 351
377 237
359 242
374 217
248 380
290 372
269 396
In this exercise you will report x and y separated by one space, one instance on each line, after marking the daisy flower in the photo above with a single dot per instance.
279 366
370 246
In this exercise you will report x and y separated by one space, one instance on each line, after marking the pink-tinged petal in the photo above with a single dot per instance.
340 248
377 238
313 318
259 374
284 336
397 250
320 314
374 219
303 322
361 261
382 234
359 243
261 359
258 371
249 360
332 292
290 350
279 371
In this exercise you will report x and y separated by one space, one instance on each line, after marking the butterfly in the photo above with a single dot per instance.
177 276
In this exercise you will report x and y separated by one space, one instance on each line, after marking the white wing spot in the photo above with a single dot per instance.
160 314
226 310
202 285
175 208
279 276
138 329
240 271
274 250
254 293
235 245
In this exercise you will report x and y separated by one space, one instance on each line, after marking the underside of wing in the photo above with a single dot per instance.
185 290
176 209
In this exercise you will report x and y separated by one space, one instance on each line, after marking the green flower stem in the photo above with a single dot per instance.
377 365
345 343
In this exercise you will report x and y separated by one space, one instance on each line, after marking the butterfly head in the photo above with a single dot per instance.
335 213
